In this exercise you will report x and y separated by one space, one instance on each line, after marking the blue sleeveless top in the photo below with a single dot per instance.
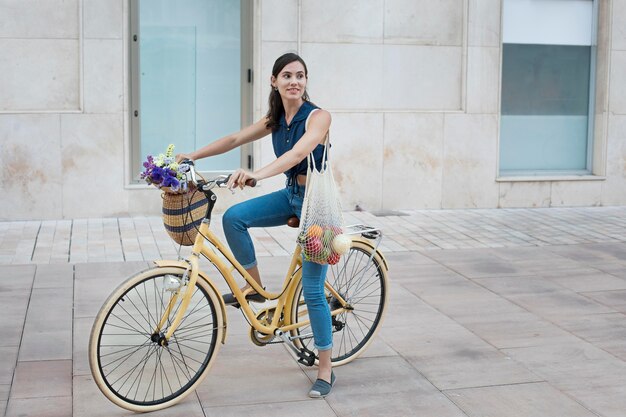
286 136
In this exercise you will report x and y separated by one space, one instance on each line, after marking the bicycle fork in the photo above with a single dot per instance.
188 280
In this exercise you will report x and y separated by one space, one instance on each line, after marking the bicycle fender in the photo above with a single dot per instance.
369 245
182 265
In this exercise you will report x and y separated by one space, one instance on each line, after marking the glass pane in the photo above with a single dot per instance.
190 76
545 79
545 107
543 143
553 22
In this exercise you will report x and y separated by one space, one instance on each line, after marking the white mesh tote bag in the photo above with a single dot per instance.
321 222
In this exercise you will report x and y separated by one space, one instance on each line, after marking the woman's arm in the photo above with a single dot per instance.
225 144
315 134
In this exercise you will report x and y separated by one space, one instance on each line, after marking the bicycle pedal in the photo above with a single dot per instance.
306 357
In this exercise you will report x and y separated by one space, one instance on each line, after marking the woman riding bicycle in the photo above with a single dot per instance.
294 136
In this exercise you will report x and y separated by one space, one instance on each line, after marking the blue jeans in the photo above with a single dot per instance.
273 210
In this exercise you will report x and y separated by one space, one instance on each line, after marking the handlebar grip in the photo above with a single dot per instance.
251 182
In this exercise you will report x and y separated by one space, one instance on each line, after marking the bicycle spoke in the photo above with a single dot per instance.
357 279
132 361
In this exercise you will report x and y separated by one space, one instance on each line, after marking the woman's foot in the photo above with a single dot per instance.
322 388
230 300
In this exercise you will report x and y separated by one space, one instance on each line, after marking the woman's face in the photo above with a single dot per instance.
291 81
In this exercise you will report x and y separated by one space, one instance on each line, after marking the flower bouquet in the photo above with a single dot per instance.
165 173
184 207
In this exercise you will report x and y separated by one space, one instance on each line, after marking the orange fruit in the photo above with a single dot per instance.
315 231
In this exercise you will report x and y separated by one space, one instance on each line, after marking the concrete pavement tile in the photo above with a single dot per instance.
521 400
604 399
89 295
276 409
431 331
405 310
4 391
378 348
54 276
528 253
243 373
48 327
42 345
16 277
463 300
42 379
100 270
571 365
410 258
515 330
386 387
617 269
3 407
606 331
14 304
49 407
541 266
422 273
82 330
467 367
593 253
49 309
545 298
587 282
615 299
462 256
95 282
452 357
485 268
88 401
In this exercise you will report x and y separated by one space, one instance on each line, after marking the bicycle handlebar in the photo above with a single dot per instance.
219 181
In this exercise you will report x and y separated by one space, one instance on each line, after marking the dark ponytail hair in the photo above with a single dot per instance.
275 102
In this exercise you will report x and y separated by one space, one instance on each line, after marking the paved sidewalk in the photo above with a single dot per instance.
504 313
144 238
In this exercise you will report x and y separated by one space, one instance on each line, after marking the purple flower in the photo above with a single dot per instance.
157 175
171 182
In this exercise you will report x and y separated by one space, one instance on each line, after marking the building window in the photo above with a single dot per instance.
190 77
548 72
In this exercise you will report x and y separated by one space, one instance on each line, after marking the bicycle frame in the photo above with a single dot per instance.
283 307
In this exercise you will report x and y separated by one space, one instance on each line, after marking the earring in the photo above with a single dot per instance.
275 88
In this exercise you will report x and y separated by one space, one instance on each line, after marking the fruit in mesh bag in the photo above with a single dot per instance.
333 258
313 247
315 230
327 237
341 243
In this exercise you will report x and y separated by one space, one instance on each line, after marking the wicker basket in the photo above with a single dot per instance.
182 215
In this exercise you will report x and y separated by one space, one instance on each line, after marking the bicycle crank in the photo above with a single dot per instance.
265 317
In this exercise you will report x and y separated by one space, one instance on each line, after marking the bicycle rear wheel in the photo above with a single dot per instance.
129 361
363 284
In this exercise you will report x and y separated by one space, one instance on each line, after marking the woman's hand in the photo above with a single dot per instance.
182 156
239 178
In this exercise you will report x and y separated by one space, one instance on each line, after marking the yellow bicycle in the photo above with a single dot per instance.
157 334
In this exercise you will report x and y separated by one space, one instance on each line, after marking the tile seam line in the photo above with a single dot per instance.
32 254
19 348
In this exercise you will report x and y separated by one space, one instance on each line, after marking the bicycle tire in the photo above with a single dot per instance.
129 366
353 330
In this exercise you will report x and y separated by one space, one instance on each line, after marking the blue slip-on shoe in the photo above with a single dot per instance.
230 300
321 388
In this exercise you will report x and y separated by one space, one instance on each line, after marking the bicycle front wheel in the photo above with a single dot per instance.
131 363
362 283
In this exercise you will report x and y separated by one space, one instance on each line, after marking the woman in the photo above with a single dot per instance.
289 110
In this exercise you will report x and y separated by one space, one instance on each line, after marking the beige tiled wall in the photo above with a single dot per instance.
412 85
